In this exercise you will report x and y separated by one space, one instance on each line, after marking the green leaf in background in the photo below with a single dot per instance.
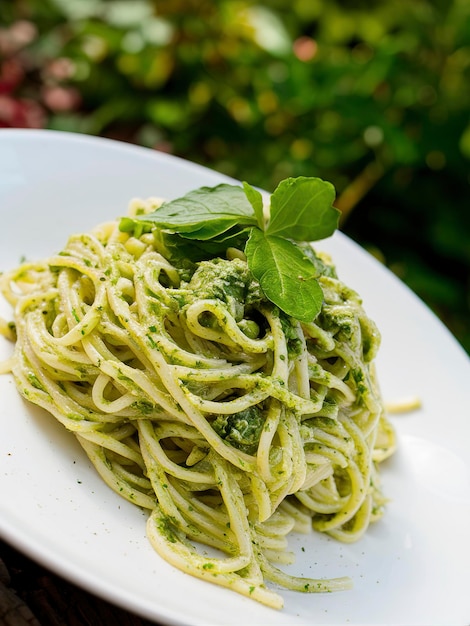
205 213
302 209
286 275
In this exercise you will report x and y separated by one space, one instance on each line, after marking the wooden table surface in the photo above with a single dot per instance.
32 595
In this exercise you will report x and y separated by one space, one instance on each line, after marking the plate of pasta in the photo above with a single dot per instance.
210 394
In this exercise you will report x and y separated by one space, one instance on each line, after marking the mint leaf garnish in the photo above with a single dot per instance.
302 209
208 220
286 275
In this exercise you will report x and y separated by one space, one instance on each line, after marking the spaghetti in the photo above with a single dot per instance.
197 399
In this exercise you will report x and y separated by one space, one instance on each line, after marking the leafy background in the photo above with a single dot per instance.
373 96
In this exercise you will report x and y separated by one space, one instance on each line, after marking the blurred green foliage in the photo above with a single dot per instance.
373 96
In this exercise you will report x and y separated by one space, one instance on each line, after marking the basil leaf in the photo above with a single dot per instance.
207 232
205 212
232 238
206 221
256 200
286 275
301 209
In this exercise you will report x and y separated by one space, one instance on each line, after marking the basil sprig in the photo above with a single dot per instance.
301 210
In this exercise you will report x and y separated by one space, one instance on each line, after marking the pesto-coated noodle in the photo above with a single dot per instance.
197 399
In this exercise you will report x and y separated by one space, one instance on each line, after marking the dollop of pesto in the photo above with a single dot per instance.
228 281
241 430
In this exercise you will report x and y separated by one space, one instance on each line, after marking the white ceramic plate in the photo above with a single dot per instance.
412 568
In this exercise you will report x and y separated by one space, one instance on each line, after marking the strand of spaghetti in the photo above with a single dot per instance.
107 339
199 421
319 375
274 543
108 442
262 388
323 339
172 512
159 479
215 375
107 232
35 385
276 554
280 369
27 278
262 496
183 556
301 519
142 334
300 369
338 440
33 300
306 403
81 395
299 583
370 401
317 505
264 461
118 484
175 517
351 505
385 443
154 264
236 510
79 324
135 380
178 429
152 313
177 355
204 518
68 361
85 247
279 524
229 334
249 383
354 530
403 405
149 434
315 473
125 432
336 457
141 482
299 466
216 514
109 406
328 492
293 466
